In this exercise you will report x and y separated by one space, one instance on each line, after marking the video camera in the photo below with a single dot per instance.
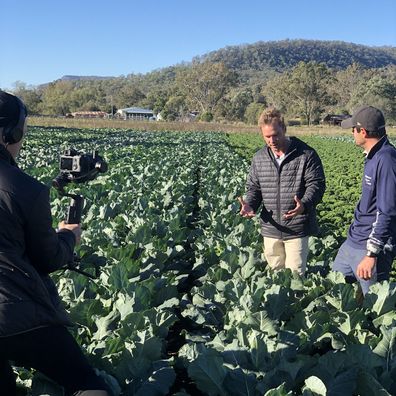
77 168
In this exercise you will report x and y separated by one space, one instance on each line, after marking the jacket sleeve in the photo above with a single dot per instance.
315 182
386 205
47 249
253 189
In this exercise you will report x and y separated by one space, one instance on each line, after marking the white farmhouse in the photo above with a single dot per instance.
136 113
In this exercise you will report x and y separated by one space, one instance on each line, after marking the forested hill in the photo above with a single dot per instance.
282 55
259 61
304 78
75 78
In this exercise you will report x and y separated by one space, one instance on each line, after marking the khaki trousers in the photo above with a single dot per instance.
291 254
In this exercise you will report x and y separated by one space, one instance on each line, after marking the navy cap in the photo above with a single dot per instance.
367 117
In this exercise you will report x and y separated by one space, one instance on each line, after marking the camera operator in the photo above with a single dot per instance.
33 322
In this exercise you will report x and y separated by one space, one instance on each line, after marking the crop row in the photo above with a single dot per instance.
184 304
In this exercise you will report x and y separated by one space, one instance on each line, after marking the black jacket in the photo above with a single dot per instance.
301 173
29 250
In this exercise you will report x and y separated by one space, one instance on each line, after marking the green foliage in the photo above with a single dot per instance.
252 112
239 101
302 91
283 55
174 108
207 116
176 257
205 84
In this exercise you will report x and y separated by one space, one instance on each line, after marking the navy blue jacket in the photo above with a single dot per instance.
374 224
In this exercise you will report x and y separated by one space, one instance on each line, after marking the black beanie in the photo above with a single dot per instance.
9 109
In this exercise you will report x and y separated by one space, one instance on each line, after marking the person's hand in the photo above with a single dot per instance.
75 228
296 211
246 210
365 268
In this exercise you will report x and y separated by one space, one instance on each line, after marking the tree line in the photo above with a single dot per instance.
305 92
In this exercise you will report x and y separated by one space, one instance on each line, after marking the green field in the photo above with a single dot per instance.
184 304
150 126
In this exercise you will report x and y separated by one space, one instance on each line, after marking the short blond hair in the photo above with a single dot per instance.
270 116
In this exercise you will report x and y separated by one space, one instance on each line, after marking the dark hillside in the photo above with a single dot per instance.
282 55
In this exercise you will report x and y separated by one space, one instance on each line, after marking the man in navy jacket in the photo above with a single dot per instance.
368 251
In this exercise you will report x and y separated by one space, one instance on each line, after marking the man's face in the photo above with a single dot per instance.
275 137
357 135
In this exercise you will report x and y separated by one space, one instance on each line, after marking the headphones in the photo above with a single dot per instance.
13 133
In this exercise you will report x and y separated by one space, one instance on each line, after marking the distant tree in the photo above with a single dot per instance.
204 85
207 117
303 91
276 92
29 95
309 89
237 104
128 96
347 83
253 112
380 91
56 98
156 99
174 108
87 97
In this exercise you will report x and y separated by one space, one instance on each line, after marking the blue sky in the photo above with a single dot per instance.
46 39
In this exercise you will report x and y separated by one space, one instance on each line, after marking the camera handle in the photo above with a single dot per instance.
73 216
74 211
73 266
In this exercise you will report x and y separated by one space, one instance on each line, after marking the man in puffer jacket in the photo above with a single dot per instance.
287 178
32 319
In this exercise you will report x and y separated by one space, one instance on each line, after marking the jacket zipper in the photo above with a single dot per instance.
12 268
279 199
278 167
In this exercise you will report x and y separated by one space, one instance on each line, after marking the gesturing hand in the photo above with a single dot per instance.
296 211
246 210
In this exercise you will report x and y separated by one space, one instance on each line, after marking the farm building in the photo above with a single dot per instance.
135 113
334 119
87 114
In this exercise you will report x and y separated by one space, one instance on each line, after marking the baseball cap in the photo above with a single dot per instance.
9 109
367 117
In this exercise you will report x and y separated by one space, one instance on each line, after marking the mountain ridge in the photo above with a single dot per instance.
256 60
